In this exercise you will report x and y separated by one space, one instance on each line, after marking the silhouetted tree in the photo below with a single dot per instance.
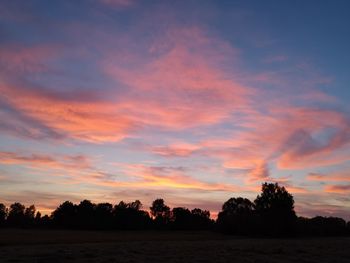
29 214
201 219
129 216
3 214
236 206
16 215
272 213
103 214
136 205
160 212
181 218
275 208
237 216
85 214
65 215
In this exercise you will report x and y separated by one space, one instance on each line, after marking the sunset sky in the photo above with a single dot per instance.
191 101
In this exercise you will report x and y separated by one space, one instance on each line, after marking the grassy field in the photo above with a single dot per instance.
90 246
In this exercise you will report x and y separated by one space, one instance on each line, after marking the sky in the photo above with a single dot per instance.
194 102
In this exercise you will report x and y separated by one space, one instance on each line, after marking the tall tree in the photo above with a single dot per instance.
160 212
16 215
275 206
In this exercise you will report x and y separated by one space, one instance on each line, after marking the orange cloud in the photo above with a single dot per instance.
79 170
93 121
168 177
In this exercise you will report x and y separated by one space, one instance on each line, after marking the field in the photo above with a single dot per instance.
90 246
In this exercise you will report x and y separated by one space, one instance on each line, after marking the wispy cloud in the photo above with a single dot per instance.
340 188
171 177
42 160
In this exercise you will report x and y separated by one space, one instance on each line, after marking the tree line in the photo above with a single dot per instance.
270 214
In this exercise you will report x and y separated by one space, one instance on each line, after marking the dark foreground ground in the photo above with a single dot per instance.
88 246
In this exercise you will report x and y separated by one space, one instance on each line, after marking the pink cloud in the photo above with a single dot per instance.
339 176
341 189
46 161
93 121
259 173
291 137
178 149
182 81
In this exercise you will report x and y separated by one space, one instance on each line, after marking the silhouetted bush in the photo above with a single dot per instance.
322 226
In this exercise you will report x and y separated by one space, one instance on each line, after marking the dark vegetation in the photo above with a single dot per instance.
271 214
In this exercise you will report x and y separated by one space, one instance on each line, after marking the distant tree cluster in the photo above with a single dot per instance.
122 216
271 213
17 215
